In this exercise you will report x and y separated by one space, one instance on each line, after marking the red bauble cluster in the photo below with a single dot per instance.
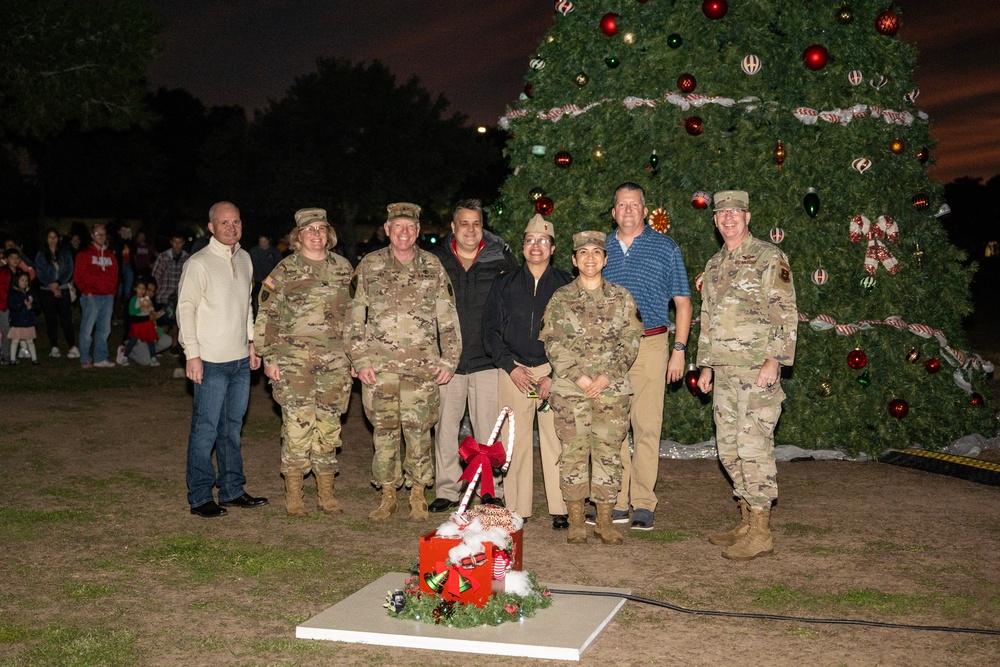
899 408
887 23
609 24
687 83
694 125
857 359
815 57
715 9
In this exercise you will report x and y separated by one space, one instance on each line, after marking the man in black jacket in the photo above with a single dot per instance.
473 259
511 323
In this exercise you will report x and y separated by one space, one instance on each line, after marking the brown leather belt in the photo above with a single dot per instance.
655 331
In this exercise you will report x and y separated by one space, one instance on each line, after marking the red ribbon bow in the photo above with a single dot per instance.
488 456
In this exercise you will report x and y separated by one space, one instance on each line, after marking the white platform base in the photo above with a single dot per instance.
561 632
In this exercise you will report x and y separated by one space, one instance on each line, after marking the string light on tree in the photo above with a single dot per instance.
536 194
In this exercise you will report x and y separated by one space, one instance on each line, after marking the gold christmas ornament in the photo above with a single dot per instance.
629 38
659 220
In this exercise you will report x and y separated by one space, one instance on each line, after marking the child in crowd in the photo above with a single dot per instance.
141 325
22 318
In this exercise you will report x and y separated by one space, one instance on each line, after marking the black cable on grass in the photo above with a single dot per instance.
779 617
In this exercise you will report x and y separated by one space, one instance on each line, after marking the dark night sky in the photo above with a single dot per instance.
248 52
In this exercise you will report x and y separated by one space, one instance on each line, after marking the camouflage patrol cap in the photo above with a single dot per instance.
539 225
403 209
737 199
581 239
306 215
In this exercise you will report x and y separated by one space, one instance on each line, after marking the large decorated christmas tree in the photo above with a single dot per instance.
810 107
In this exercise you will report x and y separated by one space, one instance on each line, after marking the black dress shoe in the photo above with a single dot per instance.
490 500
560 522
246 501
442 505
209 510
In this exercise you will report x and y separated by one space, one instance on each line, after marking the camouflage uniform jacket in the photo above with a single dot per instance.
303 304
591 333
403 319
748 312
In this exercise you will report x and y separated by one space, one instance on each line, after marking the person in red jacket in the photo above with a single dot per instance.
96 276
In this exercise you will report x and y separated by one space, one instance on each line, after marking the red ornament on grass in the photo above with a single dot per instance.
815 57
857 359
932 365
899 408
687 83
609 24
887 23
694 125
715 9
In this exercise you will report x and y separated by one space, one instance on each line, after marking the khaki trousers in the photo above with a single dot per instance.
639 469
478 391
519 485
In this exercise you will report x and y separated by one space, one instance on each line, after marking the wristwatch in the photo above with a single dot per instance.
680 347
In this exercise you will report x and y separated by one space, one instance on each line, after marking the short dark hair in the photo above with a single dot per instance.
470 204
633 187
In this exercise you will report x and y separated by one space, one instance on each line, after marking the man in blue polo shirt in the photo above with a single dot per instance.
649 265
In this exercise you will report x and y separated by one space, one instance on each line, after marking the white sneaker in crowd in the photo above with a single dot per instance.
120 357
104 364
74 353
154 362
55 353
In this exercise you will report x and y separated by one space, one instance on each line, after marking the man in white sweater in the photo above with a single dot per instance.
216 332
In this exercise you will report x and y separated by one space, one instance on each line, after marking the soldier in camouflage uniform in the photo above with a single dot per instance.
299 332
748 322
403 340
591 331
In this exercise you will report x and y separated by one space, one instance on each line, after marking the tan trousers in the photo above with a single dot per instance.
478 391
649 380
519 484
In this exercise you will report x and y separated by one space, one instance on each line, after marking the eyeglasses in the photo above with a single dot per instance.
543 241
316 230
729 211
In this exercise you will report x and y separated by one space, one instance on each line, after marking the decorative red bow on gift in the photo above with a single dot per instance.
488 456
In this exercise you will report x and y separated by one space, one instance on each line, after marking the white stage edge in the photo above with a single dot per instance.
561 632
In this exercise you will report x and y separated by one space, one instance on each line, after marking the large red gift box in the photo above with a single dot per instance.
470 582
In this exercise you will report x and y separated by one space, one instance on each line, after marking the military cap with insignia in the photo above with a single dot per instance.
304 216
403 209
581 239
735 199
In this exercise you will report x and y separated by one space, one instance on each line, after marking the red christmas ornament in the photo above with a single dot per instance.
563 159
899 408
700 200
857 359
887 23
815 57
544 205
687 83
977 399
779 155
715 9
691 380
921 202
923 155
609 24
913 355
932 365
694 125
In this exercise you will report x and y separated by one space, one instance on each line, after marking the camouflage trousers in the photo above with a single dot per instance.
402 405
313 393
745 417
591 431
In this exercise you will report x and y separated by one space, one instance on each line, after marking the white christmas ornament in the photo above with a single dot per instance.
537 63
820 276
911 96
862 164
777 234
856 77
564 7
878 82
750 64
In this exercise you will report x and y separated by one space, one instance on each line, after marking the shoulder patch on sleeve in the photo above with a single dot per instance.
270 283
785 272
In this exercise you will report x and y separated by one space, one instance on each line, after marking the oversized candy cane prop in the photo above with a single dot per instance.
504 412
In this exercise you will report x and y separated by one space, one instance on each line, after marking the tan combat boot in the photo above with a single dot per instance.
418 504
388 505
577 528
324 489
293 495
731 537
604 528
756 542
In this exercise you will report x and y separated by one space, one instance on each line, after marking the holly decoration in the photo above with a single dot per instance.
715 9
815 57
899 408
857 359
887 23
